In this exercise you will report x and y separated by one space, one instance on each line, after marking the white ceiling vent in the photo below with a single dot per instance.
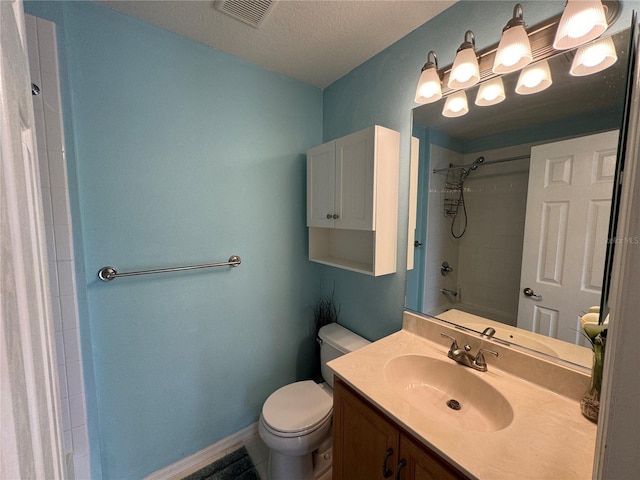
252 12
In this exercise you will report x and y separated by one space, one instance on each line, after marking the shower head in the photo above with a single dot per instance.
466 171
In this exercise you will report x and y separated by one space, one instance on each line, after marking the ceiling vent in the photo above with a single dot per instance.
252 12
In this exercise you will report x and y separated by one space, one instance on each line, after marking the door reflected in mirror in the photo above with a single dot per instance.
516 198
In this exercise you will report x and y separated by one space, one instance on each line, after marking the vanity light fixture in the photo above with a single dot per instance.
581 22
490 92
429 85
456 105
514 49
594 57
534 78
465 71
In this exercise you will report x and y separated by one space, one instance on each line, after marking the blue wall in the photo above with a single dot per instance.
185 155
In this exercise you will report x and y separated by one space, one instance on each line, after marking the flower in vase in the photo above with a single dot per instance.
597 334
591 326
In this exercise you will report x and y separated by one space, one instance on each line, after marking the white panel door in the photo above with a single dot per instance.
31 441
321 178
355 170
568 207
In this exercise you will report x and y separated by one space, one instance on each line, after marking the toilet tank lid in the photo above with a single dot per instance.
341 339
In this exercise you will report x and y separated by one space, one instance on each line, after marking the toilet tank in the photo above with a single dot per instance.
336 341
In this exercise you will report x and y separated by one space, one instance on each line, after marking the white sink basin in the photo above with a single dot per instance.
429 385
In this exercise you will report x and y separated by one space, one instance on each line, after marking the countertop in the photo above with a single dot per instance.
547 439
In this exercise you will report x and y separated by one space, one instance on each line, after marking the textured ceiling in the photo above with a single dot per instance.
315 41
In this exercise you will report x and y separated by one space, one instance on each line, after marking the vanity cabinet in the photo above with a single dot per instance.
352 201
368 445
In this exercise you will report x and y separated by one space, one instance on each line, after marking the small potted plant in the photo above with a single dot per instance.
325 311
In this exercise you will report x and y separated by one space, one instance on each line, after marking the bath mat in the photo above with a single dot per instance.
235 466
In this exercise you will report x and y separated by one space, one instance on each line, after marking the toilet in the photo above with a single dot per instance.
295 422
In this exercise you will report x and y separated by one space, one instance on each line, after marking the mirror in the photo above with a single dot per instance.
493 247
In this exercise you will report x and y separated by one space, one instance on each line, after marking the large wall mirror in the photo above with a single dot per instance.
514 204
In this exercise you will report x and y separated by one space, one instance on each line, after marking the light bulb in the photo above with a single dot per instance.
514 49
456 105
429 89
465 71
534 78
594 57
581 22
490 93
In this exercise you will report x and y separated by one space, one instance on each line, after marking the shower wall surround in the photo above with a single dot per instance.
43 64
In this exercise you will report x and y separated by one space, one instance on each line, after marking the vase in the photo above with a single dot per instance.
590 403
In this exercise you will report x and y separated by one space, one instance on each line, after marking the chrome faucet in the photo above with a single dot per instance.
488 332
463 356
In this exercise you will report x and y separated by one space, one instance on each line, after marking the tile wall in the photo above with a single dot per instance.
486 259
440 246
43 62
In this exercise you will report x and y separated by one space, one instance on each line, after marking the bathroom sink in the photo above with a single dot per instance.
449 393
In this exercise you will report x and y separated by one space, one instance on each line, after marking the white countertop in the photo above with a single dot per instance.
547 439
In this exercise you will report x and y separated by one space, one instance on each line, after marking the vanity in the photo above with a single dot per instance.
404 410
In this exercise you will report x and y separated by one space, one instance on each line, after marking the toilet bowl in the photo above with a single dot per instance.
295 422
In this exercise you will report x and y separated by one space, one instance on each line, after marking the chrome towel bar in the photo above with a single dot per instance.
106 274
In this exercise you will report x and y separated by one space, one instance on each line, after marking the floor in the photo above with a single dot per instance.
259 454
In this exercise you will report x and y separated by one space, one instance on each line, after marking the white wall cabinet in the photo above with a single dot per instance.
352 201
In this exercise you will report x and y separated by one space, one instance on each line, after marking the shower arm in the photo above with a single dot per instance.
462 167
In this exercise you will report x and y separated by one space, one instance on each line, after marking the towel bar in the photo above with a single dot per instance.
106 274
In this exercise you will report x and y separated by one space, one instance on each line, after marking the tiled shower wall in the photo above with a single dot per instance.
43 63
440 246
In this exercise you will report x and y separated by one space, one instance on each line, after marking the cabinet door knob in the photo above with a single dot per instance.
401 465
329 216
336 216
386 473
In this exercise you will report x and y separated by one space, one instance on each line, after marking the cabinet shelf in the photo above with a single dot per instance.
352 201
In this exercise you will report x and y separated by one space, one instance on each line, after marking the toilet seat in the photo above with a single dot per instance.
297 409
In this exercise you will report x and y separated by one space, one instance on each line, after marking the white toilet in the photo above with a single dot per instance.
296 419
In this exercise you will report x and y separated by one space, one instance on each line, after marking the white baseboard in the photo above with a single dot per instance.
204 457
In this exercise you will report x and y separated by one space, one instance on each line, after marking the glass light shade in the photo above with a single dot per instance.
581 22
429 89
456 105
514 51
465 71
534 78
594 57
490 93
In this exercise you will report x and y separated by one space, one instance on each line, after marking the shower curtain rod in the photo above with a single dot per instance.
461 167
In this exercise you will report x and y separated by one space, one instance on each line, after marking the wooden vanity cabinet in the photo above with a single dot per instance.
369 446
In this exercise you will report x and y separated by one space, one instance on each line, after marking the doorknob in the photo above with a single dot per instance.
530 293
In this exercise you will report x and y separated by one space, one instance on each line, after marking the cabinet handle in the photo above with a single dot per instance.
329 216
401 465
386 473
336 216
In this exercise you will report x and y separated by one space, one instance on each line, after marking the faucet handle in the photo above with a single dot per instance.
454 344
479 361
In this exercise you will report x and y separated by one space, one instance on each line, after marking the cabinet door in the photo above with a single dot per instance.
321 178
355 171
361 439
419 463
